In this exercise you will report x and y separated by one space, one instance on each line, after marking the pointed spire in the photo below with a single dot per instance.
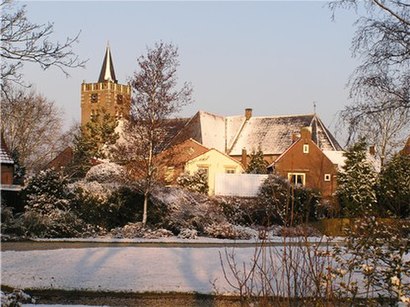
107 71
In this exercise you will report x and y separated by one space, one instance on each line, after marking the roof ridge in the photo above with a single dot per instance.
275 116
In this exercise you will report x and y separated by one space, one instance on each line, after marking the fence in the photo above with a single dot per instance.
243 185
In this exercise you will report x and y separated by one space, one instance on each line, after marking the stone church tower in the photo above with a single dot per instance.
106 94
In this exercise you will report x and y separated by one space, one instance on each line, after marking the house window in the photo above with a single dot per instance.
327 177
297 178
229 170
169 174
305 148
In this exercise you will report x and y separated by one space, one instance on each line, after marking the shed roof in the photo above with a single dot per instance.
5 157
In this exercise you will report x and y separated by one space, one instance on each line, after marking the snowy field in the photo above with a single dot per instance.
202 240
129 269
134 269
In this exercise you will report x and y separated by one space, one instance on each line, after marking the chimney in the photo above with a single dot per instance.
244 159
295 136
248 113
306 133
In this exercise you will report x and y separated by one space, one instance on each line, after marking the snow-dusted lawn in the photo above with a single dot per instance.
203 240
130 269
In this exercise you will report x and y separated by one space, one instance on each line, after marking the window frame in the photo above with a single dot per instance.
302 175
94 97
230 170
305 148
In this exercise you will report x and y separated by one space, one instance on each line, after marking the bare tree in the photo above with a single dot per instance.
382 42
23 41
386 129
32 127
155 99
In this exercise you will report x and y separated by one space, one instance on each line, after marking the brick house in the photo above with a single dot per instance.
189 157
406 148
214 162
62 159
9 191
171 162
306 164
238 136
7 164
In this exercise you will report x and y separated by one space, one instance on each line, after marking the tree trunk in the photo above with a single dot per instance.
144 215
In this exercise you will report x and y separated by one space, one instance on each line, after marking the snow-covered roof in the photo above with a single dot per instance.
213 130
5 157
272 134
336 157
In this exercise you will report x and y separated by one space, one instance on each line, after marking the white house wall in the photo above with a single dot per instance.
243 185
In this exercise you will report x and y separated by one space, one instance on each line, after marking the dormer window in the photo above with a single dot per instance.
305 148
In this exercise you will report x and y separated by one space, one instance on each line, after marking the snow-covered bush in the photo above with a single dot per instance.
278 202
105 205
11 225
241 211
157 233
393 188
377 250
56 224
129 231
257 164
15 298
106 173
356 183
227 231
48 212
137 230
186 210
198 182
188 234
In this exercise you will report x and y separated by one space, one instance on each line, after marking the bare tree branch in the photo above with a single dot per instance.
32 126
23 41
380 85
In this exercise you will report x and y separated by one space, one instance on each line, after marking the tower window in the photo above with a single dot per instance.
327 177
93 115
119 99
94 97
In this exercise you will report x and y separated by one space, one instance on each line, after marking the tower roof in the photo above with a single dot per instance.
107 71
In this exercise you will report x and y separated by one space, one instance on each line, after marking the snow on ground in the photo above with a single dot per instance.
129 269
202 240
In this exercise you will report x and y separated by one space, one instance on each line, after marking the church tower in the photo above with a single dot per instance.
106 94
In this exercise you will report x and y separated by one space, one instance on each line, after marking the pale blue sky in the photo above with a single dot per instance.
275 57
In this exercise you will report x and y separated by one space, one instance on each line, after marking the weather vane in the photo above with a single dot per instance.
314 107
